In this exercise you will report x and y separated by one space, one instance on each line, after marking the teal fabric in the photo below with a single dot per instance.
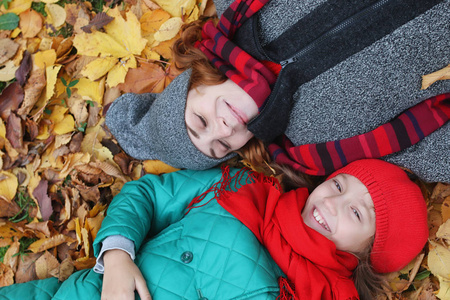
206 253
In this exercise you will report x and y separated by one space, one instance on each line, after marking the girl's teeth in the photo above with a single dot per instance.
319 219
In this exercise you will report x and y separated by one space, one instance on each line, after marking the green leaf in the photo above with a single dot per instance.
72 83
90 103
422 275
68 91
5 3
9 21
63 81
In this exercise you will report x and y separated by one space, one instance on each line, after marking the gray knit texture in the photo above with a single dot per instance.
151 126
375 85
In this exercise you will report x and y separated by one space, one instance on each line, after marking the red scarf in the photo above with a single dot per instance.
311 262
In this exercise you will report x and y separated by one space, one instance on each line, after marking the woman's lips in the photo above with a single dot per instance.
239 115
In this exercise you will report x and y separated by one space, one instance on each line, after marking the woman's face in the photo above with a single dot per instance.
216 118
342 210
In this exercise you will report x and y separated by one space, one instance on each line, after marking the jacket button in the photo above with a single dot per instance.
187 257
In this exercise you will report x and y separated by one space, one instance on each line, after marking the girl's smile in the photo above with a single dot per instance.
342 210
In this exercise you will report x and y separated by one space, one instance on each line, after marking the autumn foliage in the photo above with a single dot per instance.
61 64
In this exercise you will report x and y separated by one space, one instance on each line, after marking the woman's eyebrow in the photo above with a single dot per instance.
193 132
213 154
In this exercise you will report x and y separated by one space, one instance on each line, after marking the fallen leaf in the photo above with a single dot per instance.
8 72
444 231
157 167
11 255
24 69
47 243
30 23
44 201
32 90
439 260
6 275
10 99
14 131
64 270
168 29
176 8
97 22
444 288
26 269
56 15
8 48
431 78
8 185
45 264
19 6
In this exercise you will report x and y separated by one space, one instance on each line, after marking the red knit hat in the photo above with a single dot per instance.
401 213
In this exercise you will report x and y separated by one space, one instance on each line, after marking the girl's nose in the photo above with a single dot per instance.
331 203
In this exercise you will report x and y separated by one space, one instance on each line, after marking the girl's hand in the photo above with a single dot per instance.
122 277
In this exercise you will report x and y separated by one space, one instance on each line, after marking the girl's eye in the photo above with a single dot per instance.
225 146
356 213
338 186
202 120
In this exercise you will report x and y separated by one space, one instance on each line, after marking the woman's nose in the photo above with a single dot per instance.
223 129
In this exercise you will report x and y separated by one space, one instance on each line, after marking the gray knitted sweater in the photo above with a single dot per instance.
369 87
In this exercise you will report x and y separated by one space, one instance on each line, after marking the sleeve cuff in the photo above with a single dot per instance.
110 243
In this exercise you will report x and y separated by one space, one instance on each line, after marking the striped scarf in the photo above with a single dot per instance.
406 130
251 75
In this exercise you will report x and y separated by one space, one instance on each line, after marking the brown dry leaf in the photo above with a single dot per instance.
44 227
11 257
445 209
72 10
6 275
8 209
431 78
84 263
9 230
147 78
45 265
47 243
434 221
31 23
8 49
64 270
14 131
26 269
10 99
32 89
44 201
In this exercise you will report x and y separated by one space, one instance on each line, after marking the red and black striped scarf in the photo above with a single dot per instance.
250 74
407 129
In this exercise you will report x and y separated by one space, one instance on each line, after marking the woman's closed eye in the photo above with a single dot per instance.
224 145
202 120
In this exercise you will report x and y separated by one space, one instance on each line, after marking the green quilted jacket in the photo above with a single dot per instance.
206 254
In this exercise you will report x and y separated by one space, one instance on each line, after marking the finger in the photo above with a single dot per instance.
142 289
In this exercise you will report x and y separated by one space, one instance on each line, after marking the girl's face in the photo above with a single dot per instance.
342 210
216 118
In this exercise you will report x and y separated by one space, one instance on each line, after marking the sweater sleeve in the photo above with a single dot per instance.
150 204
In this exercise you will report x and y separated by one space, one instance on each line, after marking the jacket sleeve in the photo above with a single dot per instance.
148 205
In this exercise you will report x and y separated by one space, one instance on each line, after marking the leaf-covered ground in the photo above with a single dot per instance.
61 64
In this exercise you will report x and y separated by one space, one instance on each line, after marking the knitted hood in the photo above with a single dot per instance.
152 126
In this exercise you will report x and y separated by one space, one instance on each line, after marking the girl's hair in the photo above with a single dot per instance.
186 56
368 283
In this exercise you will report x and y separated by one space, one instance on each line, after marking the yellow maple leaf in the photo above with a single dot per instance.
99 67
177 8
121 40
91 90
157 167
119 71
